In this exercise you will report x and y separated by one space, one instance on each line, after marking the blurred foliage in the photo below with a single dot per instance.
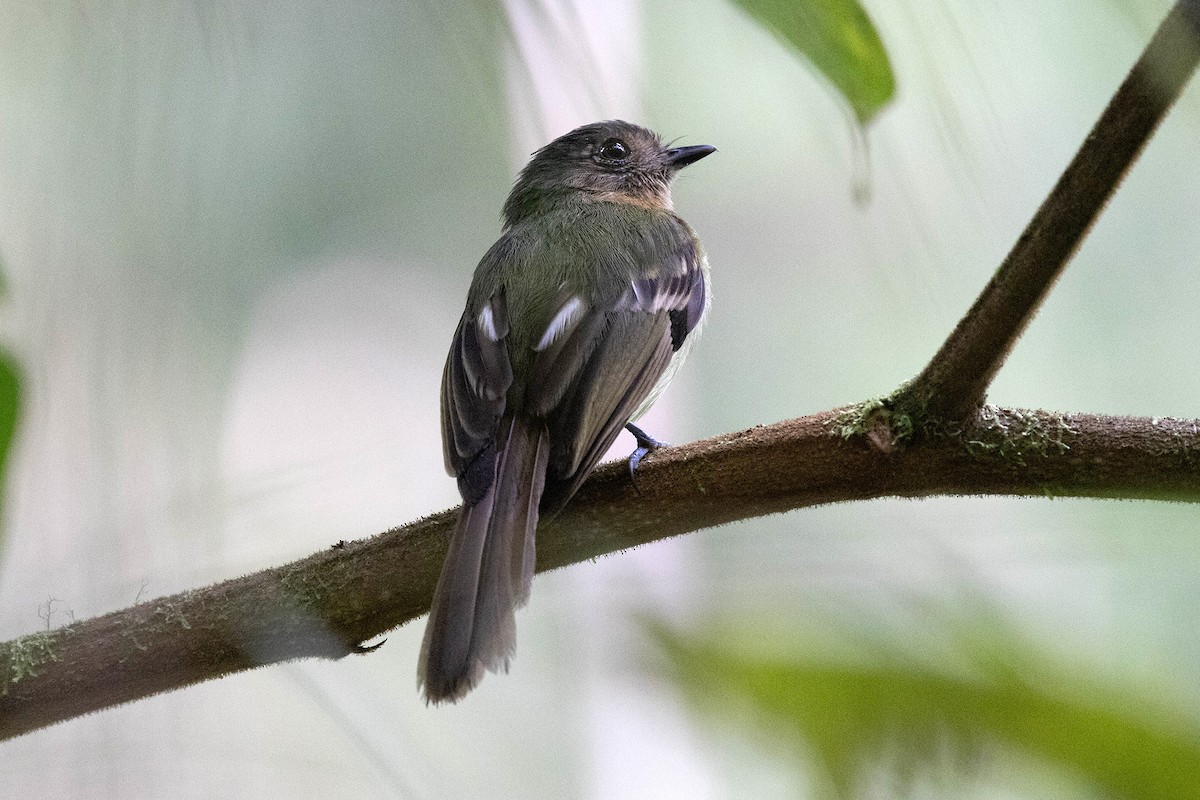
886 708
838 38
10 401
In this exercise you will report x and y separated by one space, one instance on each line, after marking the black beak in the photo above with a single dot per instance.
679 157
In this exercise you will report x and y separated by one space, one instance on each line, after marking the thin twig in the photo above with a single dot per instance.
956 379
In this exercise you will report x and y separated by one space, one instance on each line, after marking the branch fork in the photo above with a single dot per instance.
933 436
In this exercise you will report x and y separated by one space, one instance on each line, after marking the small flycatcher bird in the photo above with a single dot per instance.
575 320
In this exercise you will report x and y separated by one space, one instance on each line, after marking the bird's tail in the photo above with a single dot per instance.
488 569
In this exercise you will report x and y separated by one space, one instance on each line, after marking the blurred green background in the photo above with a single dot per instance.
236 240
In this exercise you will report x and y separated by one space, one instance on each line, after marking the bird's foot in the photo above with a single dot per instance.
646 444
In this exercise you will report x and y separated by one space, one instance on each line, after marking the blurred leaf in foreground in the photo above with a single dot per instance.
10 400
839 39
847 713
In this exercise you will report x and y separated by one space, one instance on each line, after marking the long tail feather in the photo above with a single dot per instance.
488 570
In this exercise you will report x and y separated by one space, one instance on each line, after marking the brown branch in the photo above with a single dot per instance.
328 603
957 378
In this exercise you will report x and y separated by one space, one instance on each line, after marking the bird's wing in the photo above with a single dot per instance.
600 364
474 387
593 357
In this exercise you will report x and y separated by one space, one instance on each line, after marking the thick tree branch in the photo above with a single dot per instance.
325 605
956 379
329 603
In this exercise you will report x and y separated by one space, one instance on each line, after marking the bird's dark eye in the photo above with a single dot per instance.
614 150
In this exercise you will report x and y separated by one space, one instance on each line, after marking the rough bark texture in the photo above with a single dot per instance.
326 604
956 378
931 438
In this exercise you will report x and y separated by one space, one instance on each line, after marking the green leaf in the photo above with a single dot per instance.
10 403
10 400
848 713
839 39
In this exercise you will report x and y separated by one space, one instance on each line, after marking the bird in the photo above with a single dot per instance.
575 320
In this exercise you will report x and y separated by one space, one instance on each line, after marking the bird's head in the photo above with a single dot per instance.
613 161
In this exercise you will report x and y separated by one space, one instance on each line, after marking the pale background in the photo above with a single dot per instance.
237 238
